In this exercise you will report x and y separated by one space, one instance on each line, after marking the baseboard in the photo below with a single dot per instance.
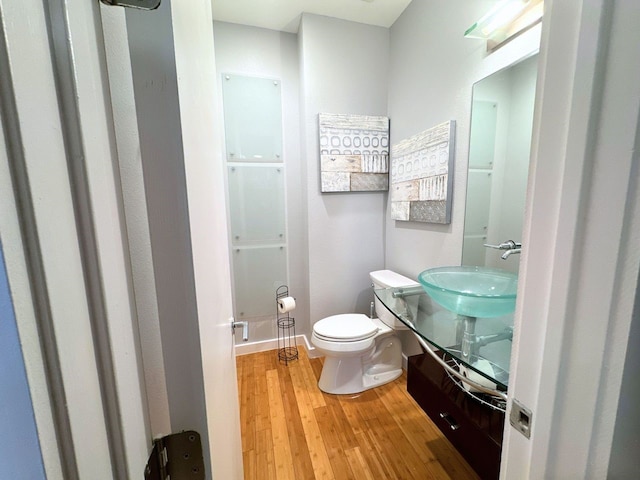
272 344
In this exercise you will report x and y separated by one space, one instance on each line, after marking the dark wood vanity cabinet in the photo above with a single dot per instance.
474 429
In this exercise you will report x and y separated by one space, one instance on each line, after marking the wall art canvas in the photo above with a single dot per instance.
354 153
422 175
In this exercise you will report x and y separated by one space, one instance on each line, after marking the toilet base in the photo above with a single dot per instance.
349 375
342 376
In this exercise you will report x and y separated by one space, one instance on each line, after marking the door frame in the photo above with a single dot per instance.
64 221
67 258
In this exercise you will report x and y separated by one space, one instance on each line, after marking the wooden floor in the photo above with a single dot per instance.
291 430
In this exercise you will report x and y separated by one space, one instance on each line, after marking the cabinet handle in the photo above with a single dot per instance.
453 425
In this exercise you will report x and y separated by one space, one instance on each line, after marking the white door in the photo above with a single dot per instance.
204 174
174 83
579 272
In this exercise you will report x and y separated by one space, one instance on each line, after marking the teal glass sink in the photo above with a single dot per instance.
471 291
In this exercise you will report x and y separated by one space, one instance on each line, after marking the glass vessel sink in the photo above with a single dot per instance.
471 291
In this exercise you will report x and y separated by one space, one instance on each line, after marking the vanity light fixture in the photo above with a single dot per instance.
505 20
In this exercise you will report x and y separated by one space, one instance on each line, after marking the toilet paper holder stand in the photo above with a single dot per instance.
287 347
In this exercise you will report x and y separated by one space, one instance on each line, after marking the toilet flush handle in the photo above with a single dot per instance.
245 328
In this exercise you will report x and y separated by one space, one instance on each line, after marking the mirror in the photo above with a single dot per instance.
499 151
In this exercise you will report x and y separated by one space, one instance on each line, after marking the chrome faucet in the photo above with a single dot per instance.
510 246
511 251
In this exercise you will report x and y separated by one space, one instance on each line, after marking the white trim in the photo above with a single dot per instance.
120 369
516 50
272 344
45 160
23 304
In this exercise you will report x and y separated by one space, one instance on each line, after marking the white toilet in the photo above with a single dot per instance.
361 352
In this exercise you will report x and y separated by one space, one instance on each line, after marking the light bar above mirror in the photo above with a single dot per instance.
507 19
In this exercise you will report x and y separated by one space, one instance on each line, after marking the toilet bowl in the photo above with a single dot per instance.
361 352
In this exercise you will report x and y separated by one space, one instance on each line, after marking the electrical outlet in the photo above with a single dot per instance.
521 418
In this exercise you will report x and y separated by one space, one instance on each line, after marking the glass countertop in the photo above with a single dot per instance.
444 330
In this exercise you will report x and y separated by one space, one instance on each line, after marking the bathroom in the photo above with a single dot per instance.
334 240
338 238
419 72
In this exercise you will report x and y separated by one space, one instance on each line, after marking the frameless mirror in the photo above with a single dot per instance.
499 151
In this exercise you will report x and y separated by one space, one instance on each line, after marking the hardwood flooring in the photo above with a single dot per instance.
292 430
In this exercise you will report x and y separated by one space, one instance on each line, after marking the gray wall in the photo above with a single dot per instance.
335 240
252 51
344 69
432 70
347 67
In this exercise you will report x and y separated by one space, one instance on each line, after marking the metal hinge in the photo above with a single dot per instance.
140 4
175 457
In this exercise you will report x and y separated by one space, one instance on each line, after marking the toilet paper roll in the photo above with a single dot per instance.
484 366
286 304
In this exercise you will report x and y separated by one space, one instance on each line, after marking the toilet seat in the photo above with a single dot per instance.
347 327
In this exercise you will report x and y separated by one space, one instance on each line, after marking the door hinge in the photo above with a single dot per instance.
175 457
140 4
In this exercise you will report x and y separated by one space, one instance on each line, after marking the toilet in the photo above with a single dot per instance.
361 352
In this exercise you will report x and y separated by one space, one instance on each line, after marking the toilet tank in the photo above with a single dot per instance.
389 279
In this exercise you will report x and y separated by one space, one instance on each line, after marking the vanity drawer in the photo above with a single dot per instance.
474 429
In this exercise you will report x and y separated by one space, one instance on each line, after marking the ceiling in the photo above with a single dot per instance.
285 15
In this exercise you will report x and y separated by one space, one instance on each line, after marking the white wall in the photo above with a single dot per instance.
251 51
344 69
432 70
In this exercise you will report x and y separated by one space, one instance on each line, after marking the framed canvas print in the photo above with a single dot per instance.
354 153
422 175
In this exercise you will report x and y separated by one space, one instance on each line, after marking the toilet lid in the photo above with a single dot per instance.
348 327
